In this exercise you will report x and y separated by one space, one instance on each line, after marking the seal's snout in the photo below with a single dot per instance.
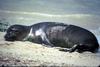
6 37
9 38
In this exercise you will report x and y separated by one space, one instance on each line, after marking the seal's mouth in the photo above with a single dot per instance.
12 38
7 39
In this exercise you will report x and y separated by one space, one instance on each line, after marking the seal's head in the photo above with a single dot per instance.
15 32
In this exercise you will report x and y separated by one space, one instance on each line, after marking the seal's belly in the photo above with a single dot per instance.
61 43
57 37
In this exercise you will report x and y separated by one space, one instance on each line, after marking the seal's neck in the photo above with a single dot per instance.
28 33
28 28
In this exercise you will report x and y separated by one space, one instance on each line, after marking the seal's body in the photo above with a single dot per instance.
55 34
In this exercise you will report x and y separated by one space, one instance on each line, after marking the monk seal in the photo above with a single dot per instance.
55 34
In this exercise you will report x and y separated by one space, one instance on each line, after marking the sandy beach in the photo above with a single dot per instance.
31 54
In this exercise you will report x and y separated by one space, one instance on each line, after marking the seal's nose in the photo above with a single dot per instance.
6 36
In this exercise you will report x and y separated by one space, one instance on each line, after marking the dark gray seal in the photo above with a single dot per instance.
55 34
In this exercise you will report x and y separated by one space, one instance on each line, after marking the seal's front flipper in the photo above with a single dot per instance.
44 38
46 41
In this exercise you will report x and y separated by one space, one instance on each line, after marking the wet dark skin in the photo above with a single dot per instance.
71 37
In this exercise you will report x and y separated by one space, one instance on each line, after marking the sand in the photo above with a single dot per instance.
26 53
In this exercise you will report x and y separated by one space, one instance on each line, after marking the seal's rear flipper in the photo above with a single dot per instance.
70 49
64 49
